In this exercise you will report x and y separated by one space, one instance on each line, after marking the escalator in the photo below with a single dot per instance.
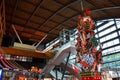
58 76
69 68
62 53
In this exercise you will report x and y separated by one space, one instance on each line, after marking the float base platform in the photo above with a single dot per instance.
91 76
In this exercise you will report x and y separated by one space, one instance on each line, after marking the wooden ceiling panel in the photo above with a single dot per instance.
10 2
51 24
9 11
54 13
64 2
22 14
48 39
112 13
116 2
101 3
77 7
61 27
75 18
57 31
70 25
32 24
35 2
52 5
58 18
37 19
29 30
44 13
26 6
88 5
39 33
8 18
36 37
68 12
26 35
70 22
45 28
18 20
18 28
97 14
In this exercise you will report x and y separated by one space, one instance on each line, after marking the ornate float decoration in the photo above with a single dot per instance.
87 53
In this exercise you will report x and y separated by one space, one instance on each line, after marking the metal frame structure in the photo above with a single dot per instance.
118 37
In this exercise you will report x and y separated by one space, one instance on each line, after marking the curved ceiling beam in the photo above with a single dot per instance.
63 23
61 9
97 7
36 9
114 7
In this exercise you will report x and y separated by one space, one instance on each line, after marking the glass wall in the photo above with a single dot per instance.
108 33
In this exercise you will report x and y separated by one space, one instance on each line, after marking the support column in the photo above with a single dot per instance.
56 73
116 28
2 20
65 66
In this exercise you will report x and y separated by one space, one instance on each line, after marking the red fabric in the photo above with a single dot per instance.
84 64
94 50
94 65
78 43
0 52
87 12
79 26
97 75
80 17
75 68
99 55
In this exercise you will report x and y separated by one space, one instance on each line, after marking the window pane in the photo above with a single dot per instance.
113 28
114 34
102 39
105 45
95 30
119 32
111 43
108 37
106 25
116 41
104 52
100 22
118 24
117 19
96 36
117 48
112 40
104 32
110 50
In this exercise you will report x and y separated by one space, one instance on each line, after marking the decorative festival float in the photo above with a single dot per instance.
89 51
